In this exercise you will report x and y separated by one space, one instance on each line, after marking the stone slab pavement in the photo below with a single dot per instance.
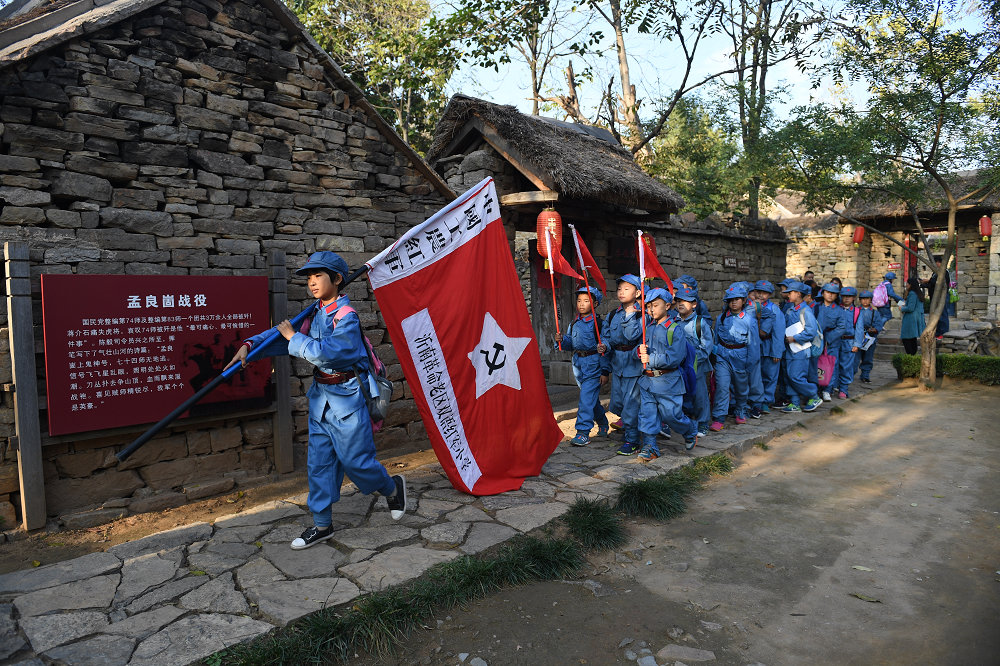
174 597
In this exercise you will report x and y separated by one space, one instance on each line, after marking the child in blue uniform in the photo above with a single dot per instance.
772 341
590 367
830 319
698 330
661 387
734 333
871 323
340 430
849 341
623 333
886 310
797 362
690 282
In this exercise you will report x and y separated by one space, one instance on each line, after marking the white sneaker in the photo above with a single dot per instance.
397 503
826 396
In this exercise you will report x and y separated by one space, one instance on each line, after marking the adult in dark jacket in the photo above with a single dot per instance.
944 323
913 316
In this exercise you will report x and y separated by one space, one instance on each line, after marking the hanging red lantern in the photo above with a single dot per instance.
551 221
859 235
985 227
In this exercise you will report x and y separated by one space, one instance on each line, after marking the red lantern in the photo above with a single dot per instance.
549 220
859 235
985 227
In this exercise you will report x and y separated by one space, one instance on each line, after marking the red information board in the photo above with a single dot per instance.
127 349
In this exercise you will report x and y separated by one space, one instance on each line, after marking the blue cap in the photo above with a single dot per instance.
764 285
690 281
325 259
686 294
736 290
631 279
890 276
795 285
848 291
595 294
867 293
786 282
656 293
831 287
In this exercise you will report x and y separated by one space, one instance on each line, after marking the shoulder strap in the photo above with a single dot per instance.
342 312
857 313
697 326
757 308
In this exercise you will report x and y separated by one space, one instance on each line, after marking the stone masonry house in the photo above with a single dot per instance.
595 184
177 137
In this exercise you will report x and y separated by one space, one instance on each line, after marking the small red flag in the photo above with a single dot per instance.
556 260
648 262
587 262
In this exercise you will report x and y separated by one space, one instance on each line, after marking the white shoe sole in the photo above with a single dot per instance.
398 513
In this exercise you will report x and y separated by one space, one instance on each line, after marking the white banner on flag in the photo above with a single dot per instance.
445 231
435 382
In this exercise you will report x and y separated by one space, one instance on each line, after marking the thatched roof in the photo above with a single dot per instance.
985 196
579 162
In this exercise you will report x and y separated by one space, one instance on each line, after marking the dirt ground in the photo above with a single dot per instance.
47 547
872 537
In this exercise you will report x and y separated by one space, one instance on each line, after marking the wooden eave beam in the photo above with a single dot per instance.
528 198
509 153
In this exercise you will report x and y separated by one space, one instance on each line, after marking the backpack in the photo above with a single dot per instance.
378 389
880 297
817 342
690 362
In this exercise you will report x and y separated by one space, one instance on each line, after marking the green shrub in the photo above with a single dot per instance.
594 524
985 369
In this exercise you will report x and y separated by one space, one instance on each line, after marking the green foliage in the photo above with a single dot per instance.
385 47
984 369
594 524
655 498
379 622
718 464
698 158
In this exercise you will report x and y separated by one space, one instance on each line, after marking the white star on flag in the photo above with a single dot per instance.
495 357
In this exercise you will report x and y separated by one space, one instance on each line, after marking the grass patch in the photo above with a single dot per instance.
662 497
763 446
594 524
379 622
836 410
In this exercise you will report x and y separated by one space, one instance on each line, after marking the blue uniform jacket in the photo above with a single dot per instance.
870 318
801 313
666 356
624 330
331 350
891 293
704 345
733 329
771 323
855 327
580 337
830 319
702 310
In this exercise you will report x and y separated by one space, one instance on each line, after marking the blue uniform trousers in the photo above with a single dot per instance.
755 374
769 371
731 375
625 403
845 365
813 374
699 406
338 447
833 349
797 382
865 360
659 407
589 409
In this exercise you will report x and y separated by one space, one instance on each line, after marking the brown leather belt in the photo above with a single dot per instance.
585 353
624 347
729 346
846 337
321 377
655 373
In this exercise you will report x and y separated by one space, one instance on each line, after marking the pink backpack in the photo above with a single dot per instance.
880 297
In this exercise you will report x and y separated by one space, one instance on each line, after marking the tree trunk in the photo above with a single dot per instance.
629 104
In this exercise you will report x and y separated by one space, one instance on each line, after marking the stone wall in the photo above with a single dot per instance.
828 251
192 138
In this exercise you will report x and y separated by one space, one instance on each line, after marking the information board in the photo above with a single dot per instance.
127 349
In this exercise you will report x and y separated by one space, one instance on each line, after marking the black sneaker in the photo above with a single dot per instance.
755 412
312 536
397 503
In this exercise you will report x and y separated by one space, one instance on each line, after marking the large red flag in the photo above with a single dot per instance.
587 262
471 360
649 264
556 260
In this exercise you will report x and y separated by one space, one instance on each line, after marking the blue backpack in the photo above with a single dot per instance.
688 366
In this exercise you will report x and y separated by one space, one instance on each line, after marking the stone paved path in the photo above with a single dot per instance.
178 596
